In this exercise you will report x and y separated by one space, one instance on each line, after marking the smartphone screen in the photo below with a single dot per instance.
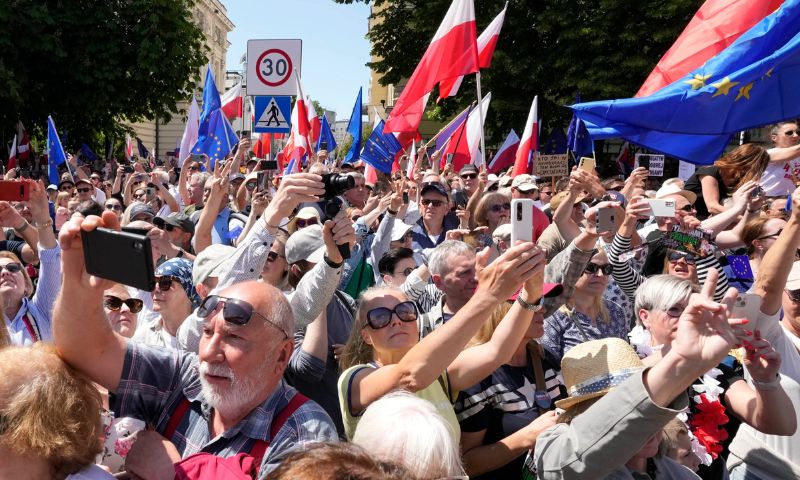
405 198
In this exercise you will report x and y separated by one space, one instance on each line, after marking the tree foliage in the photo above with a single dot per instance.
93 64
554 48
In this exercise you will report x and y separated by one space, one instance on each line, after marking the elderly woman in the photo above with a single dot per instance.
49 417
493 210
27 314
660 301
122 310
385 353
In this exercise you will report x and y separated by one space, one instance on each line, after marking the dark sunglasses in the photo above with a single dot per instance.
771 235
115 303
380 317
12 267
673 257
593 268
791 133
500 207
546 192
470 176
794 295
112 206
194 167
405 272
675 311
235 311
136 195
304 222
164 282
431 203
688 208
272 256
66 188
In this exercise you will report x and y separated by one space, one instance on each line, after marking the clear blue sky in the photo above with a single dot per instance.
334 45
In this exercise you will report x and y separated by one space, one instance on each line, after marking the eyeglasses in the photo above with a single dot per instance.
791 133
235 311
164 282
380 317
405 272
96 178
771 235
84 190
688 208
273 256
500 207
675 311
20 206
305 222
673 257
794 295
428 202
13 267
593 268
469 176
136 195
115 303
113 206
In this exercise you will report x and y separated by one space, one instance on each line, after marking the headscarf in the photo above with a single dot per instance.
181 269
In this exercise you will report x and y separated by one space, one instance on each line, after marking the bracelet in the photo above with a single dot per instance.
773 384
45 224
23 227
534 307
391 212
331 263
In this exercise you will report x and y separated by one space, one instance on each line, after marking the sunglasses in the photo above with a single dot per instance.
380 317
112 206
546 192
469 176
673 257
66 188
794 295
194 167
235 311
500 207
304 222
165 282
791 133
84 190
11 267
136 195
771 235
250 185
273 256
405 272
675 311
593 268
431 203
688 208
115 303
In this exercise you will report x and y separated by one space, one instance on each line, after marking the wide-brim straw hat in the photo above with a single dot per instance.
591 369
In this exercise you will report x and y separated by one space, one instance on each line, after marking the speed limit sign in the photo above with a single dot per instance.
270 66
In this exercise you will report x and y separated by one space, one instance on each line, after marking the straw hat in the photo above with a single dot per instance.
591 369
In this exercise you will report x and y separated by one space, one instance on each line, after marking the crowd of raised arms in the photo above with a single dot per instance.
314 325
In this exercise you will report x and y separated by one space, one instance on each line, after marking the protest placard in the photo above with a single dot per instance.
552 165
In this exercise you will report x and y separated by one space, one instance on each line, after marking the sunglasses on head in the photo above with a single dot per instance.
500 207
13 267
115 303
593 268
405 272
380 317
771 235
431 203
113 206
304 222
164 282
235 311
674 257
469 176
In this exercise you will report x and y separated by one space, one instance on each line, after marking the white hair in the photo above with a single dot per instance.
662 292
438 263
401 427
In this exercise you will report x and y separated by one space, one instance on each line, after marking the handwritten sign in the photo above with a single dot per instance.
695 242
552 166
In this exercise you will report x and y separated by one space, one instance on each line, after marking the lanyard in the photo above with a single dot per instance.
541 397
32 328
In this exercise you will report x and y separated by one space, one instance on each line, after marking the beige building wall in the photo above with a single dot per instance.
211 16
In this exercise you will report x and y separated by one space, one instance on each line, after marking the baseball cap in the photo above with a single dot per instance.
52 187
83 180
433 187
549 290
306 244
180 220
672 189
138 208
399 230
308 212
468 168
491 180
64 182
210 262
524 183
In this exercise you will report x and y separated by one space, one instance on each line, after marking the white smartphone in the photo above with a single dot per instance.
661 208
587 163
521 220
747 305
606 220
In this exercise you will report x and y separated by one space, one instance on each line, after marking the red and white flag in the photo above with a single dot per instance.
530 141
452 52
465 142
24 145
128 147
412 160
487 41
232 102
190 132
314 124
12 157
504 157
262 148
298 143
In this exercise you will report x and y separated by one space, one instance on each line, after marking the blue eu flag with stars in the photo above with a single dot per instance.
55 152
219 139
380 149
751 83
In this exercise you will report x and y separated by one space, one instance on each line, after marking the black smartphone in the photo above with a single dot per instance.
270 165
177 171
262 181
127 169
245 134
405 198
121 257
323 145
460 199
644 162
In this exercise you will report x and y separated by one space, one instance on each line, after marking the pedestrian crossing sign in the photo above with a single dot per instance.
272 114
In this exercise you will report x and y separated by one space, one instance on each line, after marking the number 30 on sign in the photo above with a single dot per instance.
270 66
274 67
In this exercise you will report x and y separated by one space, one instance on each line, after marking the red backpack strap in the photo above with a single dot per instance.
176 417
259 448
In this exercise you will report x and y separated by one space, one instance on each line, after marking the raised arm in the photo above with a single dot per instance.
774 268
163 192
219 193
183 188
782 154
710 188
739 205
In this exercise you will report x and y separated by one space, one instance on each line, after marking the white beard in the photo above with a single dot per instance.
230 401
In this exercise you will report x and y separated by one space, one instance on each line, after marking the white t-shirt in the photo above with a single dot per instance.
777 178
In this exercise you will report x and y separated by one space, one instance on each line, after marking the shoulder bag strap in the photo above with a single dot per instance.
176 417
259 447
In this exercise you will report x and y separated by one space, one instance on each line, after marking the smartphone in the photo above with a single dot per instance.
262 182
644 162
606 220
661 208
587 164
521 220
177 171
270 165
197 158
747 305
449 159
323 145
13 191
127 169
122 257
757 192
150 193
245 134
460 199
405 198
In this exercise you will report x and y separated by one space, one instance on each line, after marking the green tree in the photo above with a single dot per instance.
555 49
92 65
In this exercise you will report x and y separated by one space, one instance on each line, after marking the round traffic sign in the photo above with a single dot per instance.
274 67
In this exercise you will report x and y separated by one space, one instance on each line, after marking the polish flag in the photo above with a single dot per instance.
412 160
452 52
190 132
530 141
315 125
12 157
298 145
466 141
504 157
262 148
24 146
487 42
408 121
129 148
232 102
714 27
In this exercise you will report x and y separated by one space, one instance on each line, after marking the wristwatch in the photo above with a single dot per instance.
534 307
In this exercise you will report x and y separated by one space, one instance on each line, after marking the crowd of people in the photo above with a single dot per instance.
315 325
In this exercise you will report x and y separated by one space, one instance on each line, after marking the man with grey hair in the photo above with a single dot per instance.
452 268
781 174
357 196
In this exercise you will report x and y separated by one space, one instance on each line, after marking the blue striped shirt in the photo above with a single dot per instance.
39 308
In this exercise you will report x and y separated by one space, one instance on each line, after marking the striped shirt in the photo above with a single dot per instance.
39 308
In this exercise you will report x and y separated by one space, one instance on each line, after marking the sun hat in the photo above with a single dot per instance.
524 183
399 230
591 369
673 189
306 244
211 262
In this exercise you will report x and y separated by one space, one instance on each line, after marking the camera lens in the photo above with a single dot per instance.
519 212
138 246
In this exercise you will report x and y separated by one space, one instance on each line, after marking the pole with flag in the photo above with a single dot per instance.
24 145
55 152
354 130
190 132
530 141
12 156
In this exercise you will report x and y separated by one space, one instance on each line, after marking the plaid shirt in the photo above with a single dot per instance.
155 380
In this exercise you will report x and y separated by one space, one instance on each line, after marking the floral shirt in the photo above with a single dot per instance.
563 330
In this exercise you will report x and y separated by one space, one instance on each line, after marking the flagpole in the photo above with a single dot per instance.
432 140
480 114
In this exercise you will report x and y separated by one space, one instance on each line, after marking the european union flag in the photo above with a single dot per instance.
55 152
326 135
143 152
211 104
354 129
578 139
380 149
87 153
751 83
219 140
740 266
556 142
